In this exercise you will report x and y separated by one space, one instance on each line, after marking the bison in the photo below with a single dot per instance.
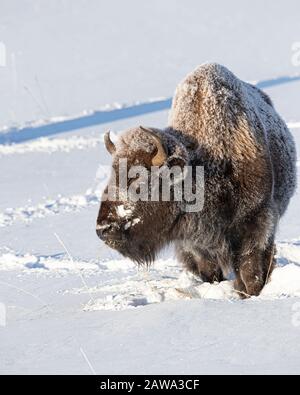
231 129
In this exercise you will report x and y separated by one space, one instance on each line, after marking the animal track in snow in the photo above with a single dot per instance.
49 207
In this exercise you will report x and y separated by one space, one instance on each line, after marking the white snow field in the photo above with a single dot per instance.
68 304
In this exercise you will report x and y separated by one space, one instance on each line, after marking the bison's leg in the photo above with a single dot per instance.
208 271
253 271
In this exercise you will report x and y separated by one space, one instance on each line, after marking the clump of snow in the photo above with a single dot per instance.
47 145
10 261
289 251
293 125
30 263
49 207
285 281
132 223
123 212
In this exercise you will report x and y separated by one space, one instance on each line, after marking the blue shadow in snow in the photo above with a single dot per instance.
19 135
16 135
277 81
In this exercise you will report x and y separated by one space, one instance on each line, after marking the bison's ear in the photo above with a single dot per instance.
160 156
110 146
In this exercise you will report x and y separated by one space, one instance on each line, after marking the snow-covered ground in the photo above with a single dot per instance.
68 304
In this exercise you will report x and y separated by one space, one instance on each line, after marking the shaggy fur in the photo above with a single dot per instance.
232 129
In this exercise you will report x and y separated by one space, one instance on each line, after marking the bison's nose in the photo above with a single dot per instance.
107 232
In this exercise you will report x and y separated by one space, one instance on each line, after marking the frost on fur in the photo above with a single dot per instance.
230 128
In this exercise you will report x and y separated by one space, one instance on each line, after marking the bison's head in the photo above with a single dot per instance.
134 218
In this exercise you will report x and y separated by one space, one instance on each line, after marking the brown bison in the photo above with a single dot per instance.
231 129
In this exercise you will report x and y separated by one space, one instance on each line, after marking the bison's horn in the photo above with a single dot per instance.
111 148
161 155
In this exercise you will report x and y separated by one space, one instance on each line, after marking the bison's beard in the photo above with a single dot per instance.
142 253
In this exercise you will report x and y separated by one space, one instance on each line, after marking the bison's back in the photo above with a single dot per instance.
234 121
281 146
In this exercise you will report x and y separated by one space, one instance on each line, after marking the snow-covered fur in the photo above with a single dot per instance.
232 129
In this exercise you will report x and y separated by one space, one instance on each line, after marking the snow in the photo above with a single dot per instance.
49 146
69 304
123 212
